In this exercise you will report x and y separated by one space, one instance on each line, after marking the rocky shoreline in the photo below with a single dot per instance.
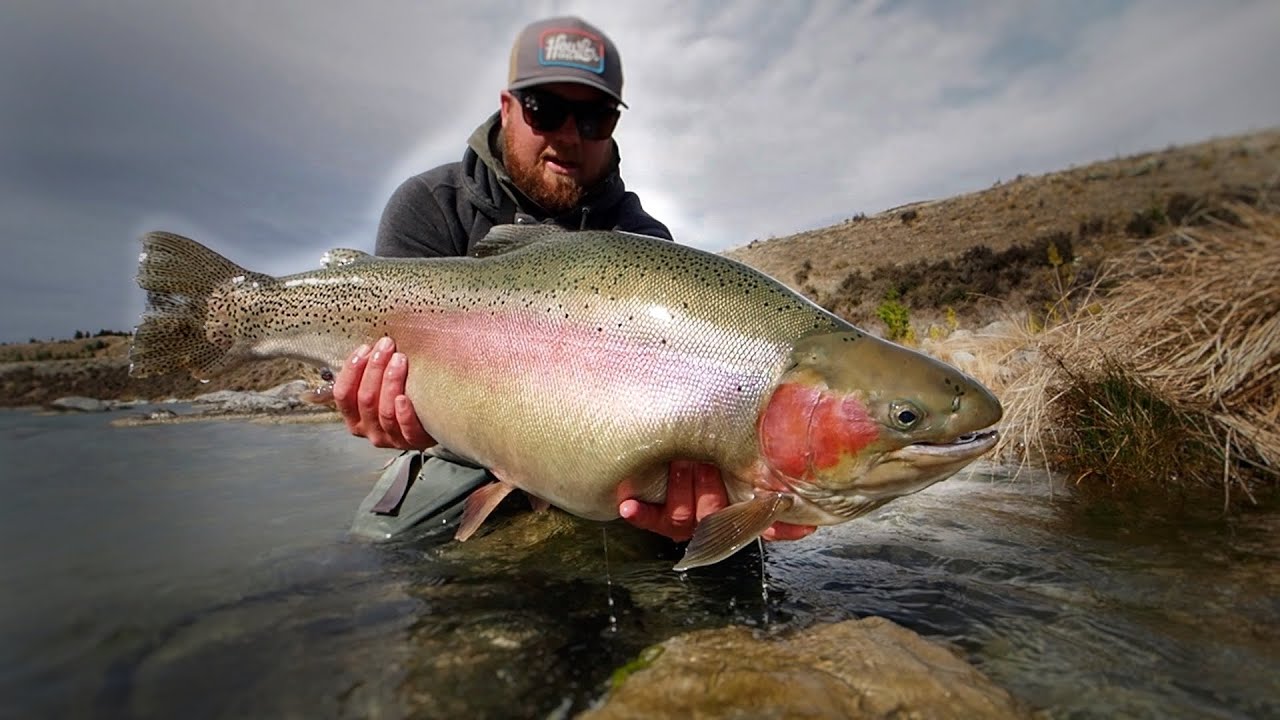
284 403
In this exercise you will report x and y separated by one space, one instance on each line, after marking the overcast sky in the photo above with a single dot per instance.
274 130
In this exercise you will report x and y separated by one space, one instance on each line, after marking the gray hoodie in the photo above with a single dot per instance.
444 211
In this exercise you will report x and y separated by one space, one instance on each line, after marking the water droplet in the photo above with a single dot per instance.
608 582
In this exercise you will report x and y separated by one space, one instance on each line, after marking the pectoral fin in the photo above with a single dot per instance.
479 504
724 533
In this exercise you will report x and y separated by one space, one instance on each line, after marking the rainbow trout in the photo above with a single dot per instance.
577 365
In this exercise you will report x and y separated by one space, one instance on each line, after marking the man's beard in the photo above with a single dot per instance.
556 195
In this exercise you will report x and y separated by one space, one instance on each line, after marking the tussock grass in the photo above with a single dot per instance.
1167 371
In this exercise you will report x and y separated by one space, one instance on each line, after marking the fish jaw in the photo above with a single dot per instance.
914 467
858 421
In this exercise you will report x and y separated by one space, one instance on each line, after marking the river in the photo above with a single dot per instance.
204 570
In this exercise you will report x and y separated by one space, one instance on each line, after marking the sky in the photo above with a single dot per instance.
273 130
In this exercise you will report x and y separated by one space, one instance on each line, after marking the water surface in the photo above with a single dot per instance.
204 570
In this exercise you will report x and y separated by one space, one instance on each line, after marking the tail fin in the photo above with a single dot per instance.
180 275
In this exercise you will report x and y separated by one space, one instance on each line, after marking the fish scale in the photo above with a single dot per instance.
577 365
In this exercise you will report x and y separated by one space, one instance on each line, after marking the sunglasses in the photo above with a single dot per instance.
546 112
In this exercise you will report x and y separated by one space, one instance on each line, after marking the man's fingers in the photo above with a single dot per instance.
370 392
393 380
708 490
680 499
415 436
787 531
346 386
642 515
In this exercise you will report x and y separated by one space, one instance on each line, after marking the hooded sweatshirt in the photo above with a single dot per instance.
446 210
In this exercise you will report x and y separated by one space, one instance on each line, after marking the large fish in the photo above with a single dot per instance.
577 365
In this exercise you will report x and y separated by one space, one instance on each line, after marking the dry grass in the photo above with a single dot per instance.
1169 371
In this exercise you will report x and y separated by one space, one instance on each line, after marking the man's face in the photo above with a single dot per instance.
556 167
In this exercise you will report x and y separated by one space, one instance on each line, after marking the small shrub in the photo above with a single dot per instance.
1092 227
1145 223
895 316
802 276
1181 208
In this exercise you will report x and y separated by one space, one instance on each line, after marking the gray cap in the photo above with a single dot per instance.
565 49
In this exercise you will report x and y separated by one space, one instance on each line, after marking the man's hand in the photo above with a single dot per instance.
369 392
694 491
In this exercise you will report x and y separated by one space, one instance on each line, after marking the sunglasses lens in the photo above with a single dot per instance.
546 113
596 124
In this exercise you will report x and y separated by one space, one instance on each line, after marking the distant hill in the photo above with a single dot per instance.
949 253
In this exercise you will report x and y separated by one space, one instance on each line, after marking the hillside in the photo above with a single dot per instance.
984 251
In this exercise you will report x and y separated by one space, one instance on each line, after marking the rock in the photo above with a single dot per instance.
963 357
232 401
79 404
161 414
868 668
1026 358
291 390
1000 328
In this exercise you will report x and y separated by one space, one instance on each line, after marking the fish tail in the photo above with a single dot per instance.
181 276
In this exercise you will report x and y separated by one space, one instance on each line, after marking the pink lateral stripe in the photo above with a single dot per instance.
627 367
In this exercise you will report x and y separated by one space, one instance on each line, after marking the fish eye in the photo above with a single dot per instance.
905 415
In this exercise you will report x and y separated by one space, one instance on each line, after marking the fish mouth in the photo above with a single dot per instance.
964 446
914 467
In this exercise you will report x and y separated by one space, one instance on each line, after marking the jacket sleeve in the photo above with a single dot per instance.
632 218
413 224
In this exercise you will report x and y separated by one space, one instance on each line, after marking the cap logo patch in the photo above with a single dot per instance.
572 48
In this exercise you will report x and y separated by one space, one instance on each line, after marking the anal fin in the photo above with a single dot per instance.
479 504
724 533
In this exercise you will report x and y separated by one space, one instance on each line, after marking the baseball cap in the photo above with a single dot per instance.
565 49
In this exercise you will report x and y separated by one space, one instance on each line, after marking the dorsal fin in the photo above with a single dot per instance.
505 238
339 257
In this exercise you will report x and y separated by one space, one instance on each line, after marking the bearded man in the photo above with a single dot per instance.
546 156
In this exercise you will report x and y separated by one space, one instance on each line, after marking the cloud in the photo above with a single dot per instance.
274 131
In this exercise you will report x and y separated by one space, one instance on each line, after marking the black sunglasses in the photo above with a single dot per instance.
546 112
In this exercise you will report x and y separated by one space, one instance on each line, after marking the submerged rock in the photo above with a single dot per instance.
868 668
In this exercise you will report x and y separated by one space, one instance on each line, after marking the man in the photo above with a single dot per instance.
546 156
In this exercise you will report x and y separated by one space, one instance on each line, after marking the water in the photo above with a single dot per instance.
203 570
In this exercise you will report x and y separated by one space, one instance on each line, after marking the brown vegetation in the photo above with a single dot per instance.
1167 373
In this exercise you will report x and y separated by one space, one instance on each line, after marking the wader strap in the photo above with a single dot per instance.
395 494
